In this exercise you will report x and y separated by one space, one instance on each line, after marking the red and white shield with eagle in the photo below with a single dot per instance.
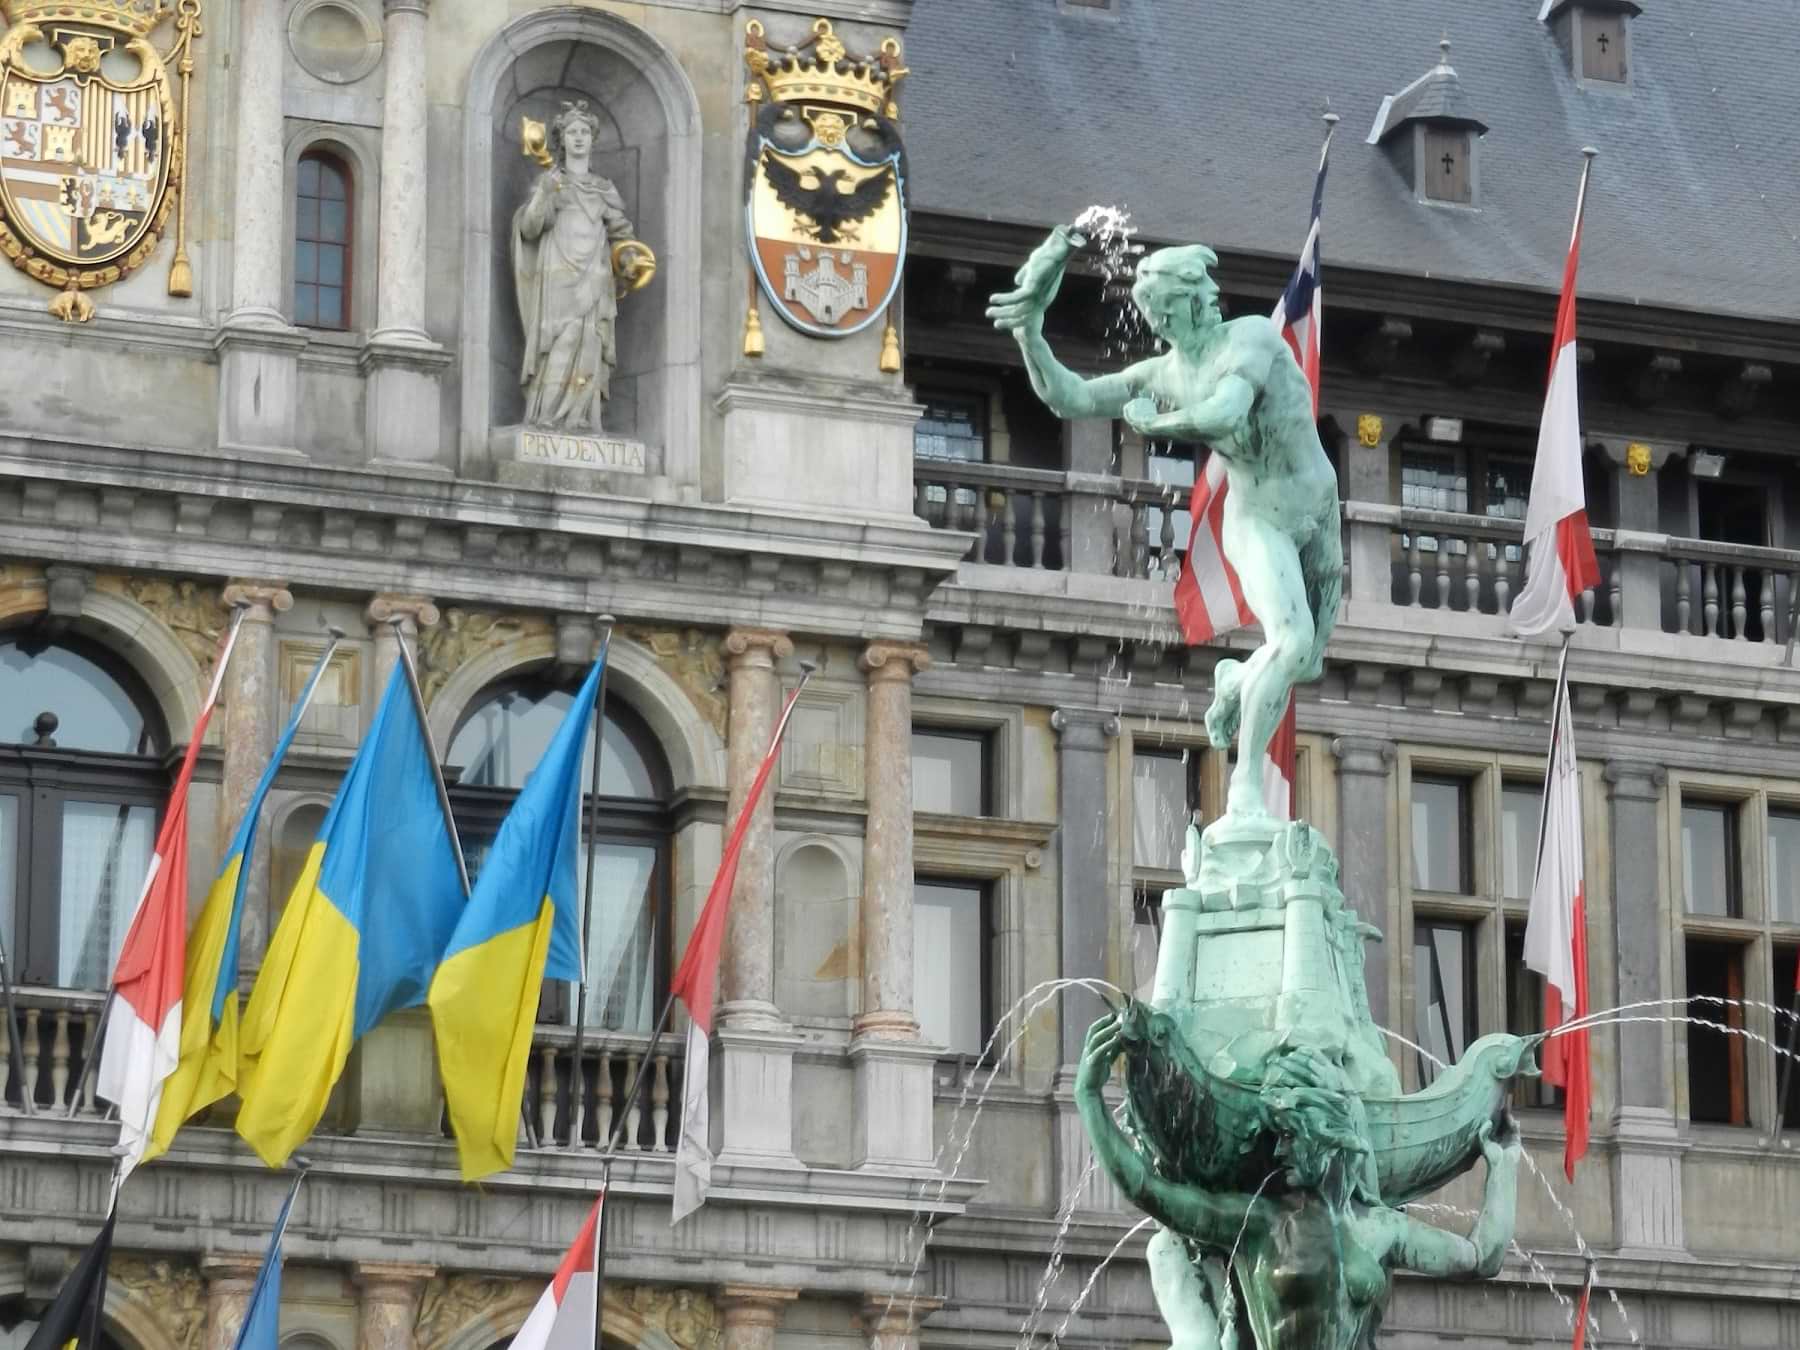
827 215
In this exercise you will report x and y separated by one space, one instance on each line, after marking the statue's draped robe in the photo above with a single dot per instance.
562 268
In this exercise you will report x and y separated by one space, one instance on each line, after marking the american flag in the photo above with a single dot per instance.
1209 602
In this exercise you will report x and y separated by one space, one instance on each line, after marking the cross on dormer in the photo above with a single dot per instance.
1604 42
1448 161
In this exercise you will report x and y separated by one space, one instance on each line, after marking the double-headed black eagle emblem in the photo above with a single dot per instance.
827 201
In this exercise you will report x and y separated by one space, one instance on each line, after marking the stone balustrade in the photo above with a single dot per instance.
53 1035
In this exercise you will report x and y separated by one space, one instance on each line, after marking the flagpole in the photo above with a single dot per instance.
807 670
578 1079
437 771
1588 153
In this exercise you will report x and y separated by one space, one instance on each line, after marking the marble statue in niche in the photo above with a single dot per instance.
574 255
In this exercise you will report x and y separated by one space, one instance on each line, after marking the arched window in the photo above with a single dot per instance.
498 743
81 784
322 241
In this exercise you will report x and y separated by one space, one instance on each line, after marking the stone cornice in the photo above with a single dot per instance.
329 527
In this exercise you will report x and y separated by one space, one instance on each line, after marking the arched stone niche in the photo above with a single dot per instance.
649 146
817 957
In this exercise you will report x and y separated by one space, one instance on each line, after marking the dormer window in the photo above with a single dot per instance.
1595 35
1430 132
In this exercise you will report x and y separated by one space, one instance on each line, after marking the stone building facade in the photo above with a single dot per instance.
982 784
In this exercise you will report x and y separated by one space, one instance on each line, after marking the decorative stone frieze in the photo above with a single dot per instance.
171 1292
463 634
194 610
694 659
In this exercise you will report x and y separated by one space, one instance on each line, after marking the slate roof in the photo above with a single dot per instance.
1436 96
1202 116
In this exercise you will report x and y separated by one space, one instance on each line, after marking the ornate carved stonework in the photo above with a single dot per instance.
694 660
193 610
172 1291
685 1316
451 1304
16 578
465 634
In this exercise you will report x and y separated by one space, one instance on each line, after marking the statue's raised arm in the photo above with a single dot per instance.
1236 387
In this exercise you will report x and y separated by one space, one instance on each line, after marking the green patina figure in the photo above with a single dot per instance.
1263 1124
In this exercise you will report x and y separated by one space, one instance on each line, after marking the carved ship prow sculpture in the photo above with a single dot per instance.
1260 956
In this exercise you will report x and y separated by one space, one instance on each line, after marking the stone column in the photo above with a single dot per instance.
1372 503
413 612
402 363
892 1092
891 1321
1093 482
1084 737
388 1303
747 977
229 1279
749 1315
1647 1165
258 351
754 1066
1365 786
251 718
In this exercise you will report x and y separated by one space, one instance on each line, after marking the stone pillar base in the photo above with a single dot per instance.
391 1079
848 453
1646 1179
891 1100
755 1089
1097 1192
403 424
259 385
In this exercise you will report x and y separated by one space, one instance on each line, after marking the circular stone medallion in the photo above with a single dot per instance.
334 40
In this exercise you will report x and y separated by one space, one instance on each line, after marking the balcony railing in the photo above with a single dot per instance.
54 1034
1414 559
562 1112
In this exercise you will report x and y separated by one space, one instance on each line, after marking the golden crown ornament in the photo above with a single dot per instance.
93 141
821 69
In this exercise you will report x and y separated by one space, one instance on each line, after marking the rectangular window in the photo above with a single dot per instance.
1525 1015
1163 797
1717 1090
1784 866
1602 46
1445 173
952 988
106 849
1787 977
1440 836
1433 481
1146 939
950 772
953 426
1521 812
1443 992
10 861
1709 859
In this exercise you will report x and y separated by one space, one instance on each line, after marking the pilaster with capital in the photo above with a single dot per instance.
394 619
229 1280
1365 767
388 1294
1084 739
749 1315
1635 792
258 350
891 1321
250 728
401 361
1638 566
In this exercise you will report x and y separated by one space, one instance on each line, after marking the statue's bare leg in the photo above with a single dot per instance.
1182 1296
1322 562
1268 568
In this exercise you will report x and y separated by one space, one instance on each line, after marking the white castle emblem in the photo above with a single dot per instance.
826 293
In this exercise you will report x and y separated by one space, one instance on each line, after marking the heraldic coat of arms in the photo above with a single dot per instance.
826 177
92 141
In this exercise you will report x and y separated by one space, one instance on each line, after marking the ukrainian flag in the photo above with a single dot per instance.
375 904
522 923
208 1066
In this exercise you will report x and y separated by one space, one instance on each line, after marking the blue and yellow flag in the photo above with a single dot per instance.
375 904
522 924
208 1066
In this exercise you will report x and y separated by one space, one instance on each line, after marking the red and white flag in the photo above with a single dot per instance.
1581 1310
1556 932
143 1029
1561 563
1209 602
696 983
563 1319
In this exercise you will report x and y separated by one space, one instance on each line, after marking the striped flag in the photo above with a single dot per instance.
1581 1309
1209 602
1556 929
1562 563
143 1028
695 984
563 1318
